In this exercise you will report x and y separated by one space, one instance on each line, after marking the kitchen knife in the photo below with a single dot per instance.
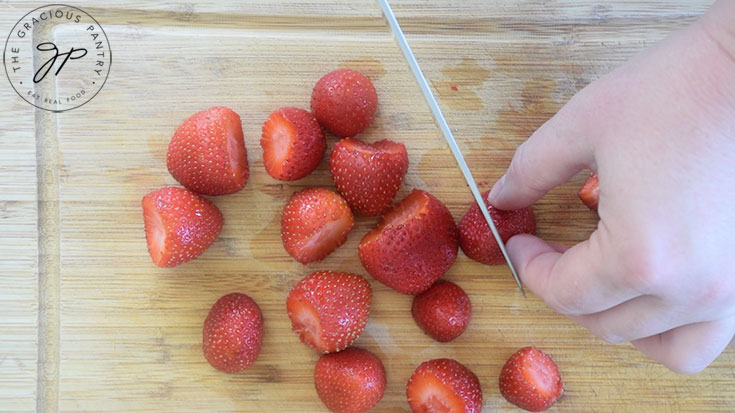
442 123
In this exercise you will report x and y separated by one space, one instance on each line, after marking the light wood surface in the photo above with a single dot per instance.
88 323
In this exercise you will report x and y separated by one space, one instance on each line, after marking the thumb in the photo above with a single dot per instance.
557 151
574 281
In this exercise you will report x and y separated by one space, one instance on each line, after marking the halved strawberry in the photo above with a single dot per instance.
443 311
477 240
590 192
179 225
414 244
329 309
531 380
444 385
232 333
314 222
293 143
368 176
207 152
350 381
344 101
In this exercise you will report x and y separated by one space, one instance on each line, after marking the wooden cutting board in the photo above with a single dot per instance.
88 323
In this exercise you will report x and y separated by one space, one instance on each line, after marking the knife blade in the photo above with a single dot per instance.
442 123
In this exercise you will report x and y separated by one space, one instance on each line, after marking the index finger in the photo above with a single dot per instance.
553 154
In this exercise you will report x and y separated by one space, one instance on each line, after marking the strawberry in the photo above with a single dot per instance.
368 175
530 380
329 309
414 244
477 240
207 153
344 102
232 333
444 385
179 225
352 380
293 144
314 222
443 311
590 192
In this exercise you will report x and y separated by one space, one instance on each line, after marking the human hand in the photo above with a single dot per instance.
659 270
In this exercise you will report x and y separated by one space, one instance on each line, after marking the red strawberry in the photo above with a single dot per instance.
344 101
207 153
368 176
352 380
590 192
443 311
444 385
530 380
329 309
315 221
179 225
414 244
477 240
293 144
232 333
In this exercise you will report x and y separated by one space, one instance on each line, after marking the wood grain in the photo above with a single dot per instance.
88 323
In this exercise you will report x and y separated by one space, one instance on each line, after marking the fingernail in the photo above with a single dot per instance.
497 189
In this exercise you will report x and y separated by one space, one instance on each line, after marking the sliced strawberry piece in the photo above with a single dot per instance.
329 309
207 152
293 143
314 222
414 244
233 333
368 176
590 192
444 386
350 381
478 242
530 380
443 311
306 323
344 101
179 225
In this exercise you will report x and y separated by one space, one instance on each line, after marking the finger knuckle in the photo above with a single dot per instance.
643 270
603 93
570 301
717 293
